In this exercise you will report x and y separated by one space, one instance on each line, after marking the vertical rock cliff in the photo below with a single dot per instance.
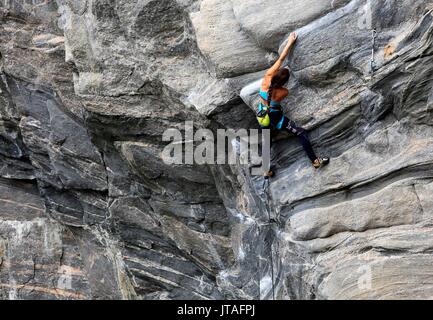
89 209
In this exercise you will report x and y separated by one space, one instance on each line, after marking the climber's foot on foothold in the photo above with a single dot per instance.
321 162
269 174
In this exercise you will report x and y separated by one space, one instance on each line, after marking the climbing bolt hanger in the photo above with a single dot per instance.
373 45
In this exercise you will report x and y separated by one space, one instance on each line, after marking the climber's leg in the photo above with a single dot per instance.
291 127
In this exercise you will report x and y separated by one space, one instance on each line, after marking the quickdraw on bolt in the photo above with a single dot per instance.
373 66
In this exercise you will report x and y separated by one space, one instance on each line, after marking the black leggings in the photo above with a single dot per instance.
291 127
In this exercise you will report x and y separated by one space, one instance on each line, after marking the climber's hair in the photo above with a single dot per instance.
279 80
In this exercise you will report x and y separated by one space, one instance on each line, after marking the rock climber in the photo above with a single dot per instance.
270 113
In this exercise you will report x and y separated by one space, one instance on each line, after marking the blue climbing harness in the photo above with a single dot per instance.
266 115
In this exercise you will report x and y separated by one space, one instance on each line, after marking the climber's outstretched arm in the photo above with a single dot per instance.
292 39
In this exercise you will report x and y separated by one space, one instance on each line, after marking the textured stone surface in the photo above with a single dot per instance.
225 49
88 209
267 23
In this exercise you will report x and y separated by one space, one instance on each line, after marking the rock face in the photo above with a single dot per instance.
89 209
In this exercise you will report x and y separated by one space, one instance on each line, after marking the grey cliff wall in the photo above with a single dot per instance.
89 210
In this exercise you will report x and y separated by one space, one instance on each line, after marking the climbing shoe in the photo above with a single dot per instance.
321 162
269 174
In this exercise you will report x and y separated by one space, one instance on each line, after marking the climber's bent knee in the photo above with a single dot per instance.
292 127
